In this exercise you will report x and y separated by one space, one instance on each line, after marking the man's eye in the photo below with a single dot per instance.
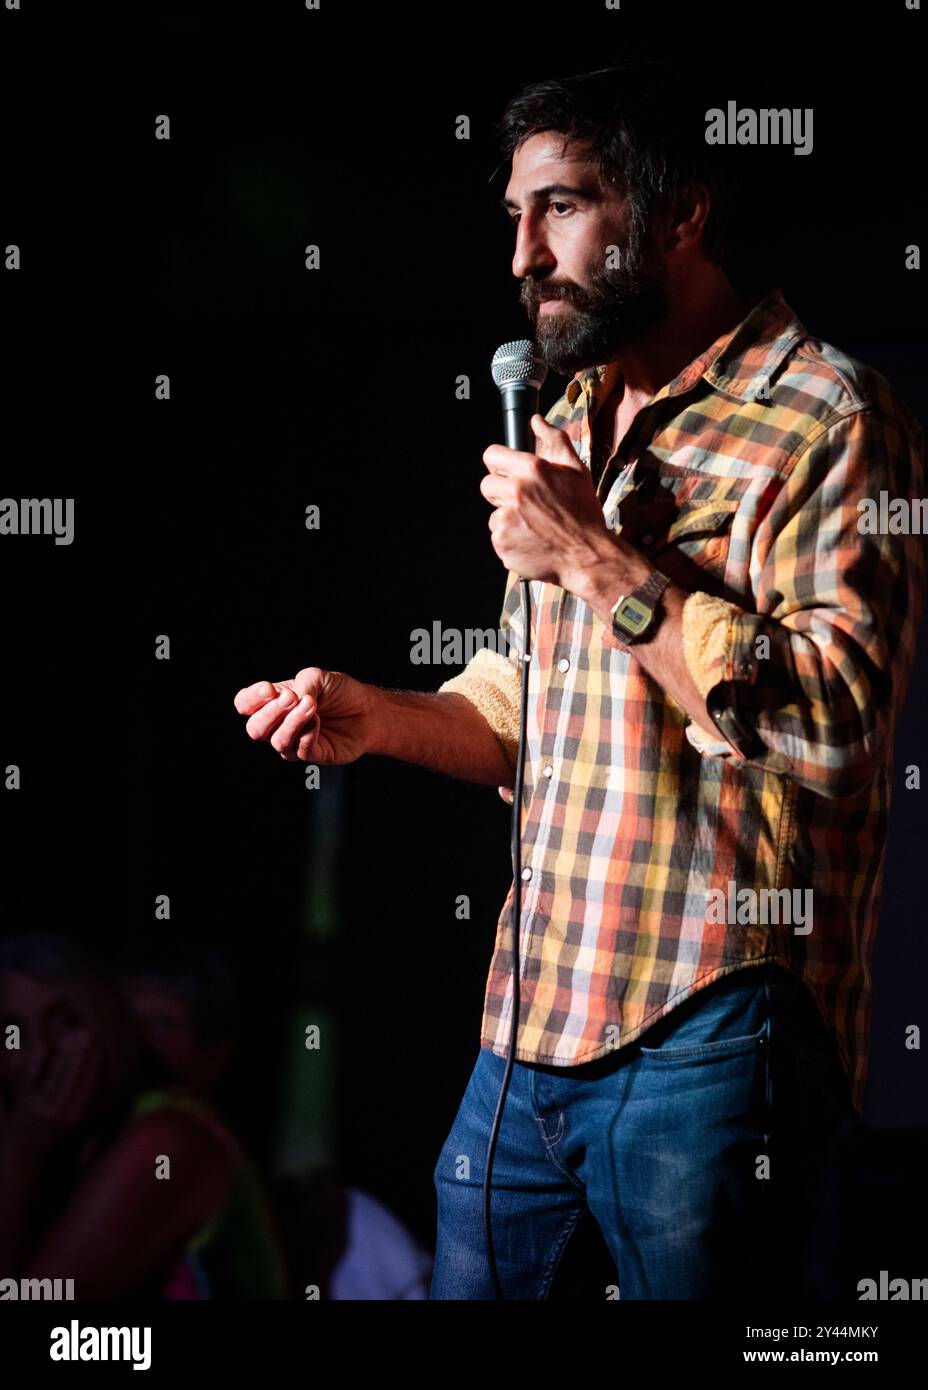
514 217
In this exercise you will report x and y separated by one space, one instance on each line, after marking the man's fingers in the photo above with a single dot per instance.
497 489
293 727
306 745
252 697
554 445
269 715
278 715
508 463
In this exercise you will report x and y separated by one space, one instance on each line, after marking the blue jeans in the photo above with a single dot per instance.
699 1149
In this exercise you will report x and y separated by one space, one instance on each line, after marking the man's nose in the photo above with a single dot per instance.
532 253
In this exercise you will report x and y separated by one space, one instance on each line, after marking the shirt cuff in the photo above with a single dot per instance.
718 647
493 684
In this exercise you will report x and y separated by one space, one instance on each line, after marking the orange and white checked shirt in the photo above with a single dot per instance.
752 460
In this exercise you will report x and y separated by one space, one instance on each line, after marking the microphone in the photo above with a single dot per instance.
519 371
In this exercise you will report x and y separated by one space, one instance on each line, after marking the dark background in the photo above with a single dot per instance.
336 388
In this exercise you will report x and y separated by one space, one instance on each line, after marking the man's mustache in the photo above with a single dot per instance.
533 295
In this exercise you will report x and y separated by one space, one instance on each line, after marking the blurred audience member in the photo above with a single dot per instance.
185 1001
110 1173
345 1243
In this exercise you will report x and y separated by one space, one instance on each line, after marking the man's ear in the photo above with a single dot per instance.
685 223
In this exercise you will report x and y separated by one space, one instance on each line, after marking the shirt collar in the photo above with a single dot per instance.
736 363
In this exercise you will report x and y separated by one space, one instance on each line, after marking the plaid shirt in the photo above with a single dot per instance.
740 479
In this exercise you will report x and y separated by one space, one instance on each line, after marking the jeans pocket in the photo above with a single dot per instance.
721 1048
730 1018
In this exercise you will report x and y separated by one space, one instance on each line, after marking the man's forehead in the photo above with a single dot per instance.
552 158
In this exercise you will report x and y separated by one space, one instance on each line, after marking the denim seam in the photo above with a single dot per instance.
722 1048
549 1143
557 1250
768 1071
556 1137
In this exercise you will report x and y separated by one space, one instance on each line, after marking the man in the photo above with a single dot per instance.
719 652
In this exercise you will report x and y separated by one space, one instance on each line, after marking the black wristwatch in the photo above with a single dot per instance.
636 615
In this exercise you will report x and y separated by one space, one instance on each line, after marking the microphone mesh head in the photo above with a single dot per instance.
521 362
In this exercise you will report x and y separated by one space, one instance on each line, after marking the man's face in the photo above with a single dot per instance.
565 221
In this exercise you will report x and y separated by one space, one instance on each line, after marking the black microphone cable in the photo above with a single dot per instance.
525 595
519 371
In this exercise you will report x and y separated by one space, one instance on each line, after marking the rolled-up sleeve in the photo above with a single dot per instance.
492 680
809 684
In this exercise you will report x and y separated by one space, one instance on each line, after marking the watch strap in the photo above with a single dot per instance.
653 587
648 594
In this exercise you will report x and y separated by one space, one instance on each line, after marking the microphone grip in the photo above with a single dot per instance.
520 403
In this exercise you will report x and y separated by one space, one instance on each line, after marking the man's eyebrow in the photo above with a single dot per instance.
587 194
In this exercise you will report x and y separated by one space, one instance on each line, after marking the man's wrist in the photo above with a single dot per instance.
377 722
614 568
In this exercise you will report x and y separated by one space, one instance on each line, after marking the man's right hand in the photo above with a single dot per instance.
322 717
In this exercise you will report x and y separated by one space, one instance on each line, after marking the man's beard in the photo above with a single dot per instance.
621 305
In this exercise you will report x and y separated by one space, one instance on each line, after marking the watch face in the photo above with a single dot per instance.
632 616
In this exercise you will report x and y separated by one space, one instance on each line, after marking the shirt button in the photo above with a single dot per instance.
563 664
647 539
526 875
547 770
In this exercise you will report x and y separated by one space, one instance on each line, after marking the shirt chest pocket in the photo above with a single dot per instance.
699 534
